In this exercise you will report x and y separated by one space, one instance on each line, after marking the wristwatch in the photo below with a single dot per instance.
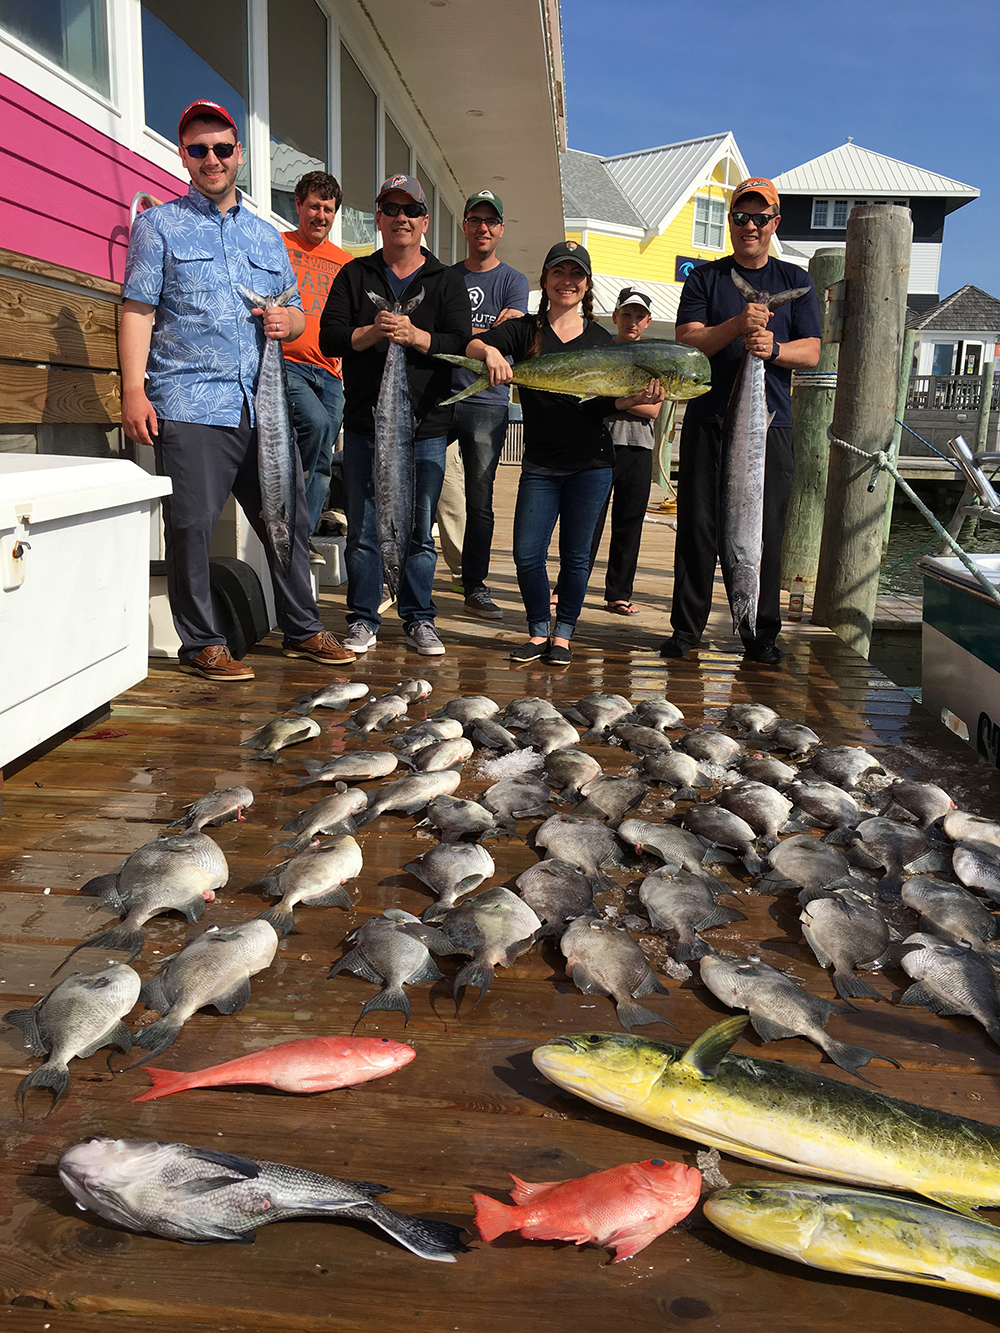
775 351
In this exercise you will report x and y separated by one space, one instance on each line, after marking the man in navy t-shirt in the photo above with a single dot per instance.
714 317
497 293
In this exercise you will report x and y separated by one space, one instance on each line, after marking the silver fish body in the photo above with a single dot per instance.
676 846
440 755
659 713
611 798
786 735
377 715
568 769
431 731
216 807
201 1194
806 862
765 768
952 913
386 954
556 892
763 808
456 818
337 696
825 804
548 734
407 795
893 845
952 979
977 865
844 765
495 927
639 738
711 747
845 935
600 712
582 842
685 903
358 766
749 718
469 708
275 735
316 877
277 454
924 800
333 814
605 960
492 735
413 689
451 870
520 713
674 768
960 826
721 828
517 797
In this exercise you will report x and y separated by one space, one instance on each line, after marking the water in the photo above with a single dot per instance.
911 536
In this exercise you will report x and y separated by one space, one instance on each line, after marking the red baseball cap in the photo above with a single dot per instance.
206 109
756 185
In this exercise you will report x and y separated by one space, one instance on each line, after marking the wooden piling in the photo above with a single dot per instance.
985 398
877 263
903 384
812 413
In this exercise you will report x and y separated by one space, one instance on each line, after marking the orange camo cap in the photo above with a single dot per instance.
756 185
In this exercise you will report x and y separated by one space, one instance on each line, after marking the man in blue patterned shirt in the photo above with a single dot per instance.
187 327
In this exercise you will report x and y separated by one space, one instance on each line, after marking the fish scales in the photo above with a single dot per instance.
394 468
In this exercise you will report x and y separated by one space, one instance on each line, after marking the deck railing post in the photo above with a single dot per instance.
985 401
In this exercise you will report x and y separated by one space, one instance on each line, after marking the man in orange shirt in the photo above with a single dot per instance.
315 385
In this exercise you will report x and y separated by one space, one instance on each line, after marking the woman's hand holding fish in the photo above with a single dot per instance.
497 366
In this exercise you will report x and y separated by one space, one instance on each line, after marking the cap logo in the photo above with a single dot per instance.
398 180
486 194
572 245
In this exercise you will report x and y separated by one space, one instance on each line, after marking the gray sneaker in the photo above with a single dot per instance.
480 603
360 637
422 636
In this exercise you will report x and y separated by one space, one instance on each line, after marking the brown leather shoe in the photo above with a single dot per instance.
216 662
322 648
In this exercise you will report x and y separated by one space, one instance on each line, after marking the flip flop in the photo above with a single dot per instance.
622 609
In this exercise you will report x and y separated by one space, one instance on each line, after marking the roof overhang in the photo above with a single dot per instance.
494 107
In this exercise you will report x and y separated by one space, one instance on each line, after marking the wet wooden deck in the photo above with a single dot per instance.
470 1107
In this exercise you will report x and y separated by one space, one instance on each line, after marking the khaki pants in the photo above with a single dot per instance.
451 511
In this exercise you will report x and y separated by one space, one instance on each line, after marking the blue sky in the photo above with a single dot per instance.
918 82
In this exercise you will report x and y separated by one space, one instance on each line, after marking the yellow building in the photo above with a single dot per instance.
646 217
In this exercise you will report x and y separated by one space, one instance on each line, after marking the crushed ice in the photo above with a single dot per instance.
510 765
708 1163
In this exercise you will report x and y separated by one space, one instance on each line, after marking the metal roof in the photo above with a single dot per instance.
659 181
850 170
590 191
968 308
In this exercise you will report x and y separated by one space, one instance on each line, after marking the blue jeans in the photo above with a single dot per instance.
317 400
576 501
480 429
364 564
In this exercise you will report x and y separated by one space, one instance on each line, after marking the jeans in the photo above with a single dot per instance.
481 429
364 564
576 501
317 400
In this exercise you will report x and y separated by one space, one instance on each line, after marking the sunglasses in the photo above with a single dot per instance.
758 219
474 222
223 151
408 210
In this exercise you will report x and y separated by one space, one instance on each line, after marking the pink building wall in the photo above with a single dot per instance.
65 188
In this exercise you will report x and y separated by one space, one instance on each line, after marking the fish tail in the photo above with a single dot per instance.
853 1058
744 591
298 844
280 917
481 382
688 952
162 1083
849 986
391 1000
632 1015
53 1076
494 1218
475 974
154 1039
422 1236
889 887
115 938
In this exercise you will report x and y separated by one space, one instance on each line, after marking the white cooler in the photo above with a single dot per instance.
74 590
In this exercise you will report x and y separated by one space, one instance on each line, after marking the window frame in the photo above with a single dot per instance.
831 202
711 203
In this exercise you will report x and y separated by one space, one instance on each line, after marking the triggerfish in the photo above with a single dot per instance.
780 1117
313 1064
870 1235
625 1208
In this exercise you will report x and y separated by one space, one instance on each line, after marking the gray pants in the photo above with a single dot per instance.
205 464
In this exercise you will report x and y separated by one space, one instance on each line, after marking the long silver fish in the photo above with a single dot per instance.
394 476
277 456
741 493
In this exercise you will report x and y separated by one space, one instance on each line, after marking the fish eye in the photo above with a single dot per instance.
594 1040
384 1041
657 1161
754 1194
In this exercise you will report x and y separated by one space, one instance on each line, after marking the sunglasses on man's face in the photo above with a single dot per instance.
759 220
408 210
223 151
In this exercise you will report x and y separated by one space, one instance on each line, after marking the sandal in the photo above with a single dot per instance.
622 608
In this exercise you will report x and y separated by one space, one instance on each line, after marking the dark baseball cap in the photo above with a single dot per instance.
206 109
568 250
408 184
485 197
632 296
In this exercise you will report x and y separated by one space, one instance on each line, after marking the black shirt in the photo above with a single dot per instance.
560 432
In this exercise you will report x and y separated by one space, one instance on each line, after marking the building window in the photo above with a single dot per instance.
820 209
430 194
446 236
183 61
358 125
709 224
832 214
297 78
73 34
943 362
397 152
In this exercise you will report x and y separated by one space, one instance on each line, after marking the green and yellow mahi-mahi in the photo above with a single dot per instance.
869 1235
615 370
780 1117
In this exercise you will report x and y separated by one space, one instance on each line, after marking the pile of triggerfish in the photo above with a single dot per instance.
882 872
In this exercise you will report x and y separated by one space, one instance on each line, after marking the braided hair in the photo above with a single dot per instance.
587 310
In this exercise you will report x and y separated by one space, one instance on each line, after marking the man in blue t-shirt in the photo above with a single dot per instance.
714 317
497 292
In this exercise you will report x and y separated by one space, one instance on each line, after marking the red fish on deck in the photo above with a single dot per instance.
314 1064
625 1207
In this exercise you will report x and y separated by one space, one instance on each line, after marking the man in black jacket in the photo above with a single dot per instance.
352 327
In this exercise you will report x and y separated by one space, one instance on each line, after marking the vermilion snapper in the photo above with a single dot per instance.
625 1207
314 1064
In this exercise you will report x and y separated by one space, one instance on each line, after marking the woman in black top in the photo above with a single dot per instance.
568 456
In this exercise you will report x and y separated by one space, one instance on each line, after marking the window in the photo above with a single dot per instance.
297 79
944 359
820 209
446 237
430 195
183 60
832 214
397 152
709 223
72 34
358 122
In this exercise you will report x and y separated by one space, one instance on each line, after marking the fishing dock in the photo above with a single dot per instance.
470 1107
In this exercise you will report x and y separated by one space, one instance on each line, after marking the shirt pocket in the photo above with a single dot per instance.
195 271
267 274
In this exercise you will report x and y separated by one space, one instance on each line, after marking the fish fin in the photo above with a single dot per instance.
688 951
954 1201
236 998
27 1021
634 1015
649 986
686 794
853 1058
338 897
493 1218
356 962
192 1189
475 974
584 982
391 1000
422 1236
303 840
720 916
768 1030
194 909
707 1052
117 1035
429 972
531 1189
749 294
432 938
280 917
379 302
106 887
55 1077
795 824
918 994
154 1039
782 298
162 1083
849 986
465 362
717 856
930 863
157 994
477 385
243 1166
115 938
411 305
840 837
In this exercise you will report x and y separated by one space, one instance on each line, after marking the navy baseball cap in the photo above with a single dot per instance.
568 250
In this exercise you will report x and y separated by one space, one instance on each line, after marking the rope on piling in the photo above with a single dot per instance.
881 462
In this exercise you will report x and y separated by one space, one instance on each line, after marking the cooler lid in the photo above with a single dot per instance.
39 488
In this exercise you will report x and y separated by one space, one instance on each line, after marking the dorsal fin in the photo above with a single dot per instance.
707 1052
